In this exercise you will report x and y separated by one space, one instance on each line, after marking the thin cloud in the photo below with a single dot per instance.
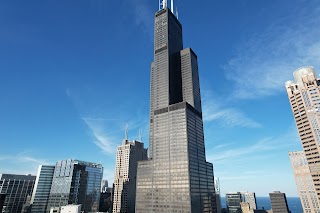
214 110
102 140
253 149
22 163
264 62
22 158
143 15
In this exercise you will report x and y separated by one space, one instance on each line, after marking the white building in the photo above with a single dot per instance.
250 198
128 155
304 184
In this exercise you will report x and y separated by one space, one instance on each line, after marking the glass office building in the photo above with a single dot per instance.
76 182
42 189
176 178
16 188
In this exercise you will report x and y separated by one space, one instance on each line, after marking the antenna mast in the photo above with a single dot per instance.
126 133
140 135
177 14
172 9
164 4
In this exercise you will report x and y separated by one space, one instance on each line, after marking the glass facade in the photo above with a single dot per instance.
16 188
176 178
42 188
76 182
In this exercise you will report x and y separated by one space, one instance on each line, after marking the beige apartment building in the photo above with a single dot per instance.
304 97
304 183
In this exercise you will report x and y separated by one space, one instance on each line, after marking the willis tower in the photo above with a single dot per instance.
177 177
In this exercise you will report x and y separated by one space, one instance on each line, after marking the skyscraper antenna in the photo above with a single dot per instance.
164 4
177 14
172 8
140 135
126 132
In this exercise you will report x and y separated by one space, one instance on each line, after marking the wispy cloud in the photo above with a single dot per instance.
102 140
143 15
253 149
21 163
265 61
215 110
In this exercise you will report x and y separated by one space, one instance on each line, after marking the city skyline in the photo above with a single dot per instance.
63 85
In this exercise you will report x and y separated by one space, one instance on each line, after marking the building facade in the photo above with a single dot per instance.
279 202
303 178
42 187
304 98
233 201
176 178
71 209
2 199
250 198
76 182
17 189
128 155
245 208
217 192
104 186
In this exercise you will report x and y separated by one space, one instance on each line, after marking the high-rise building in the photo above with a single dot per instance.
304 97
279 202
76 182
176 178
217 191
42 187
17 188
245 208
303 178
233 201
250 198
128 155
104 186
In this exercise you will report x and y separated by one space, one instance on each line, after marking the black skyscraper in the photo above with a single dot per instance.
177 177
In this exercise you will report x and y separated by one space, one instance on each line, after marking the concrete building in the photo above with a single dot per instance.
303 178
76 182
304 97
128 155
233 201
279 202
42 187
177 177
245 208
250 198
17 188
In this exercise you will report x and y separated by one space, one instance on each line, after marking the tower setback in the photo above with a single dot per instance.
176 178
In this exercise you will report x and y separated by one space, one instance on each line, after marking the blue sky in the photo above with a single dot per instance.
74 73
